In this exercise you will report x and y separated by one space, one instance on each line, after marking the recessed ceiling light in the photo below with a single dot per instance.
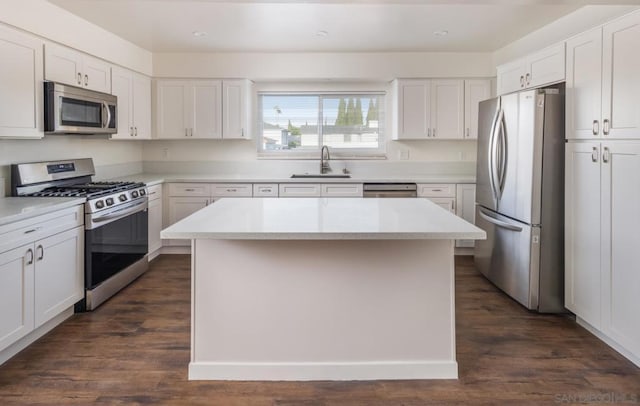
440 33
199 33
322 33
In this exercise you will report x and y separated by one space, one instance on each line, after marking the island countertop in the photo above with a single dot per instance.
323 219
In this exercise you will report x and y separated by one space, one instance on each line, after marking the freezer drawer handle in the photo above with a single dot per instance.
499 223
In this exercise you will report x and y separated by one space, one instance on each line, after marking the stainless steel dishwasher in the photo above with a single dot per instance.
390 190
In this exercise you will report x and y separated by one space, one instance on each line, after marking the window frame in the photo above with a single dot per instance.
376 89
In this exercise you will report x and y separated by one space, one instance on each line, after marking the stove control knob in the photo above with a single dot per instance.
109 201
134 194
122 198
99 204
142 192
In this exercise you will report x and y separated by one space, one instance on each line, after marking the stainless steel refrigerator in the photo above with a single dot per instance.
520 197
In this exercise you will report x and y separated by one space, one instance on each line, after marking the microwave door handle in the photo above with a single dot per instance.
105 106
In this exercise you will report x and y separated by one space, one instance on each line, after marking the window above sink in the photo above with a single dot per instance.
298 124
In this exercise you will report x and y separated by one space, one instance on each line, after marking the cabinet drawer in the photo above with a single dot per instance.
265 190
437 190
341 190
189 189
447 203
29 230
231 190
154 192
299 190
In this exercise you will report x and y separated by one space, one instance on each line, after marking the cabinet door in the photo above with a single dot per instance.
235 104
546 66
141 107
447 203
122 87
465 208
172 116
621 78
299 190
447 109
582 231
413 109
584 85
205 109
59 273
155 225
21 76
511 76
620 242
181 207
62 64
265 190
341 190
16 294
475 91
96 74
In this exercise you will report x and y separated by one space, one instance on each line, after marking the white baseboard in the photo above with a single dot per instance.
30 338
609 341
322 371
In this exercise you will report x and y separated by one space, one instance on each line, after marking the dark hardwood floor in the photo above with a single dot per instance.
135 350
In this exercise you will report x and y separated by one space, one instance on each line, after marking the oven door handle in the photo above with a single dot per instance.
121 213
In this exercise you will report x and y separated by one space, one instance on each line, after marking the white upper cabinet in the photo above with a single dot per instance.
603 82
134 104
584 85
475 91
236 112
428 109
447 108
412 109
21 76
71 67
211 109
541 68
621 78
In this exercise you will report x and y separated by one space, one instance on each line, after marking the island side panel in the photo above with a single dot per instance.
300 310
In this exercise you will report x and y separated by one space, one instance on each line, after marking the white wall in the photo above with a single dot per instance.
56 24
565 27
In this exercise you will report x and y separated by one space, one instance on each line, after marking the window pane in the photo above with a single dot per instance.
351 121
290 122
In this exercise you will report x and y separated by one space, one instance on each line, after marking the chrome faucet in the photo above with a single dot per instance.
324 161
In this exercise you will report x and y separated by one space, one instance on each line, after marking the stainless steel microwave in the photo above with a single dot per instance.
72 110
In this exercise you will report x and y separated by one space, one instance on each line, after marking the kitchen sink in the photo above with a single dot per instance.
319 175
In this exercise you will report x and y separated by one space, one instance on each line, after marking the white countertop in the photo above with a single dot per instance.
323 219
19 208
151 179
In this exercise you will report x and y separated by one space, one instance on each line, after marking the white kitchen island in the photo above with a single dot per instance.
322 289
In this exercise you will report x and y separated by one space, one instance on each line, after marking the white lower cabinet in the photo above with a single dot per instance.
41 273
602 219
155 218
16 294
465 208
265 190
59 273
341 190
299 190
181 207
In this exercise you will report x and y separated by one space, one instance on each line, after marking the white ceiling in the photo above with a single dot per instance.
292 26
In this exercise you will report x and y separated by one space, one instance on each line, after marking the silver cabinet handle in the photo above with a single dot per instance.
32 230
30 254
190 132
528 79
606 126
434 133
242 132
467 133
86 80
131 131
429 132
594 154
266 190
596 127
232 190
186 132
190 190
606 155
79 78
135 131
41 248
521 81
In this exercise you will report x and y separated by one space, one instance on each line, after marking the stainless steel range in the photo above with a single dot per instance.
116 220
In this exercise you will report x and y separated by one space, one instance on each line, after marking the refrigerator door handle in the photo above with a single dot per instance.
504 155
499 223
494 170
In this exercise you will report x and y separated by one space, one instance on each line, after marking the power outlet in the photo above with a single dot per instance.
403 154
